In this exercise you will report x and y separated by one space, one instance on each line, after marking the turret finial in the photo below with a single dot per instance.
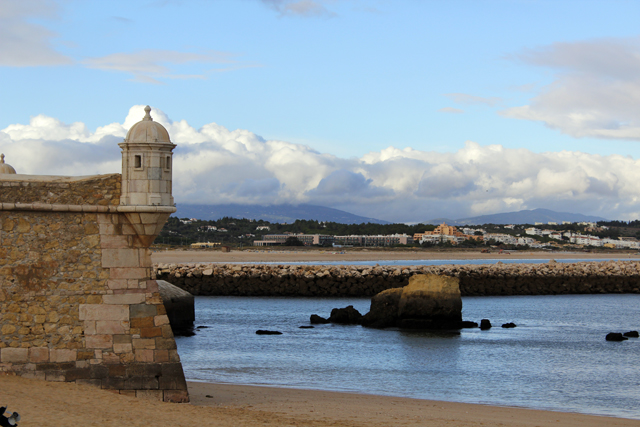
147 116
1 158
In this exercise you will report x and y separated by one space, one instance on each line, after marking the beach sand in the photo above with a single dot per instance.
348 255
52 404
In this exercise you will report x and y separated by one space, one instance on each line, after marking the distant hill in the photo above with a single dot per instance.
274 213
521 217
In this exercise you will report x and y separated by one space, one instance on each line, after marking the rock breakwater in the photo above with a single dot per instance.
550 278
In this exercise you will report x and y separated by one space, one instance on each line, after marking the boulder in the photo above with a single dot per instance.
266 332
318 320
180 308
509 325
384 309
468 324
429 301
485 324
615 336
631 334
345 316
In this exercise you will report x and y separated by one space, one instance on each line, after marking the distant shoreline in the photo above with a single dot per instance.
347 255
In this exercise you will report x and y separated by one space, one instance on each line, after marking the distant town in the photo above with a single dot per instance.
233 232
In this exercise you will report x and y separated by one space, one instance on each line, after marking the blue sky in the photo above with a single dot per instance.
402 110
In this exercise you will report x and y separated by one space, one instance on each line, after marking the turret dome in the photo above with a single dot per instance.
5 168
148 131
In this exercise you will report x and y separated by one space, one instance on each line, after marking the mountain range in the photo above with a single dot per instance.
520 217
289 213
273 213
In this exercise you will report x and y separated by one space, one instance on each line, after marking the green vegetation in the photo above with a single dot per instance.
242 232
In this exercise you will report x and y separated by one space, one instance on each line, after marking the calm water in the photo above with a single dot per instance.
555 359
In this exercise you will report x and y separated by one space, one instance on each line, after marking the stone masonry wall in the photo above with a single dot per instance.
78 299
101 190
347 280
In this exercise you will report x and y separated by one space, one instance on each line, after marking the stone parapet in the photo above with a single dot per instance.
100 190
337 281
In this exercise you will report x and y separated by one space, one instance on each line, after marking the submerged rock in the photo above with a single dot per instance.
631 334
265 332
317 320
468 324
306 327
615 336
485 324
509 325
345 316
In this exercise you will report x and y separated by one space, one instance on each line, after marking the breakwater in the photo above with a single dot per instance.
550 278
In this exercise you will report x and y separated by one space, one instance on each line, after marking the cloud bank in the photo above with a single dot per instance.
596 92
216 165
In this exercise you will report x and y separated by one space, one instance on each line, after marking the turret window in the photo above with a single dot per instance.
137 161
167 163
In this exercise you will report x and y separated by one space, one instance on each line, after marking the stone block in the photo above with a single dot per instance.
62 355
111 327
144 356
99 341
122 339
14 355
117 371
38 354
90 327
144 343
103 312
165 344
142 322
112 383
161 356
127 299
117 284
122 258
142 310
150 332
161 320
122 348
115 241
130 273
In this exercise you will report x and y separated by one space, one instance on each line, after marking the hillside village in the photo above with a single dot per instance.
246 233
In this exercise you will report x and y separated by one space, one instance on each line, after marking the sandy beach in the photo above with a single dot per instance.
349 255
52 404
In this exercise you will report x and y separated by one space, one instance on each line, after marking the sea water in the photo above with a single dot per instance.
556 358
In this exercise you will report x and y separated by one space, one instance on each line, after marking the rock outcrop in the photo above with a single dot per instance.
427 302
345 316
180 308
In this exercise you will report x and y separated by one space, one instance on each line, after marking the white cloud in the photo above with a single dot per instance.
24 43
149 65
451 110
303 8
596 92
216 165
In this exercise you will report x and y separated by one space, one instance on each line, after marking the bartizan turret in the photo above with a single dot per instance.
147 154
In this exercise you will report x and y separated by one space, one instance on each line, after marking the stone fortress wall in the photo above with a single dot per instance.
552 278
78 297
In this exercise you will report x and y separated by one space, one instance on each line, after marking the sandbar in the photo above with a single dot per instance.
54 404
